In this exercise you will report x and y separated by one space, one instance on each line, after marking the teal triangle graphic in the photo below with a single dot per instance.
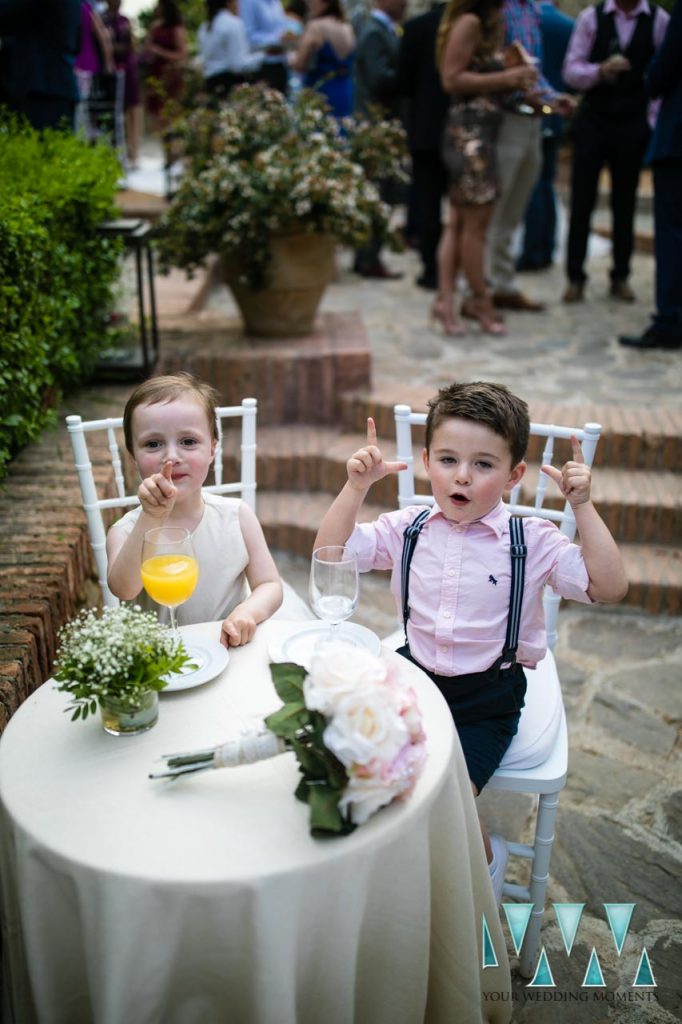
568 915
645 976
518 916
489 957
543 975
593 975
619 915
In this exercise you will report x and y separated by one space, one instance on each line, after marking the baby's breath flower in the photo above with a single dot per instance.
122 653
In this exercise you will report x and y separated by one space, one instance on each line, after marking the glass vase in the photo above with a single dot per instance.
120 719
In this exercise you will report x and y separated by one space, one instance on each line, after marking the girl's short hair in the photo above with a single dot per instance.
166 389
493 405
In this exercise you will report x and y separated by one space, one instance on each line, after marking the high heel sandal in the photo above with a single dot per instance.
481 308
450 328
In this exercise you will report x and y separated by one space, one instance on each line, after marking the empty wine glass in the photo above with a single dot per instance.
334 587
170 571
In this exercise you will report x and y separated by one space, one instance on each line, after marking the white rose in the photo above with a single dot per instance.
366 726
365 794
338 670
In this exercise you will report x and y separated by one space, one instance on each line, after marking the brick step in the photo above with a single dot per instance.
625 441
290 521
638 505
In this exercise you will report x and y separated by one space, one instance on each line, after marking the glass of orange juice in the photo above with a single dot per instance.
170 571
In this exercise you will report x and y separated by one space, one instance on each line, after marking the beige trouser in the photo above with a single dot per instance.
519 157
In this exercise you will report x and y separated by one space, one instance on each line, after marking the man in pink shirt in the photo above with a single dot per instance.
460 573
611 46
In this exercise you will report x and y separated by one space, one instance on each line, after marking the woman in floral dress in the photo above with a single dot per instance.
473 73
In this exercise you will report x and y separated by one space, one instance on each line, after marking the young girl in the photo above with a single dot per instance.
170 430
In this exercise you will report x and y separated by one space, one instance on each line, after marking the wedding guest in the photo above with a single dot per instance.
376 86
96 55
474 76
664 79
224 51
611 46
40 40
476 439
325 55
427 104
540 222
125 59
519 157
268 32
170 430
165 53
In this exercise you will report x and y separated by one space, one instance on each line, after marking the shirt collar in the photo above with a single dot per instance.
641 8
384 19
496 520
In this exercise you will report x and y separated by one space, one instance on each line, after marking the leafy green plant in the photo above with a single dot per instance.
56 272
257 167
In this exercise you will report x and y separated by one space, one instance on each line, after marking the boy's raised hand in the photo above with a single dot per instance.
157 493
367 465
574 477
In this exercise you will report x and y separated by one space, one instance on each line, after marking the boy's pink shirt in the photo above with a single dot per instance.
460 582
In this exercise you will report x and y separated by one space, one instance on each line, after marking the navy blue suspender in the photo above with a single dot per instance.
517 551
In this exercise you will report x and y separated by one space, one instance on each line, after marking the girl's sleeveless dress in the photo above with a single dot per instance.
469 143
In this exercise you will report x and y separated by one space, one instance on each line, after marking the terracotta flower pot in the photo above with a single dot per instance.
302 267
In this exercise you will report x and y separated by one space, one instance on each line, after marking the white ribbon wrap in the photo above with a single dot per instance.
254 746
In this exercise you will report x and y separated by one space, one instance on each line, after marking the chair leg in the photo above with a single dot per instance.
542 847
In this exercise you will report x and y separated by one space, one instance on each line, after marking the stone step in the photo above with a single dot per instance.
625 442
640 506
290 520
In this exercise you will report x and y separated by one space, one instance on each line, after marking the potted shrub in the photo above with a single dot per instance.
272 188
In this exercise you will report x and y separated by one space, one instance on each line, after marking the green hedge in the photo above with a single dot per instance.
56 274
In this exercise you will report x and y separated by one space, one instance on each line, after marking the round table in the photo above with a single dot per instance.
205 899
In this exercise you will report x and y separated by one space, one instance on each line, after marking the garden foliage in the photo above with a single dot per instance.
56 274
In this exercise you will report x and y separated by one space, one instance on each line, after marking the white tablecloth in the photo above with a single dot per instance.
132 901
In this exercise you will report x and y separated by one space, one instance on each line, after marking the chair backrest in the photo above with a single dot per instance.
588 436
94 505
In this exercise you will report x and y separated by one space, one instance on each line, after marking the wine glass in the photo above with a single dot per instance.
334 587
170 571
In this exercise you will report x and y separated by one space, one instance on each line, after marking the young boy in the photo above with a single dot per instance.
170 430
460 573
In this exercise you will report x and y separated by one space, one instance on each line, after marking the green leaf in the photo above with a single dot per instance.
288 720
324 809
288 681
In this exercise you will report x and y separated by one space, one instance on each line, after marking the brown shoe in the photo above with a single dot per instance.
574 292
518 301
622 290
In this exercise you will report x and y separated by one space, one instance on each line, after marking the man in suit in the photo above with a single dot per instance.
664 78
608 54
419 81
376 76
539 237
40 41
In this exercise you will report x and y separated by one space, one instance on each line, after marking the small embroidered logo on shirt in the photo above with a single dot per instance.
491 579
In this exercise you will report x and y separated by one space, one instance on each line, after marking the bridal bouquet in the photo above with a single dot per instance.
354 726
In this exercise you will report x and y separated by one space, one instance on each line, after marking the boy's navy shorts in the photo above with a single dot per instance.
486 713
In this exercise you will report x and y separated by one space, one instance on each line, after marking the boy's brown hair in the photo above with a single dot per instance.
493 405
166 389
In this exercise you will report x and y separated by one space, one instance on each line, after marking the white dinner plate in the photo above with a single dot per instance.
299 646
212 658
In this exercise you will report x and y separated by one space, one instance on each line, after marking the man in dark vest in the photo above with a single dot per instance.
610 49
664 79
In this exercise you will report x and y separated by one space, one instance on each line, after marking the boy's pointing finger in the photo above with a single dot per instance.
371 431
577 450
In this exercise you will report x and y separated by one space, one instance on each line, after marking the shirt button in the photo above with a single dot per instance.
447 615
451 572
459 529
444 648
